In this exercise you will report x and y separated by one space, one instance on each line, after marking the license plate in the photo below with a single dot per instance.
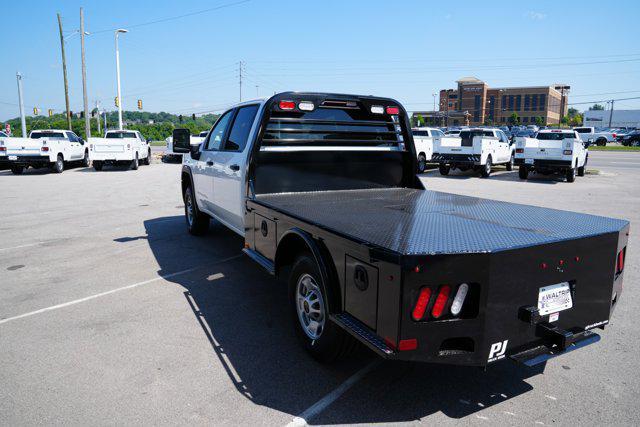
554 298
528 161
13 157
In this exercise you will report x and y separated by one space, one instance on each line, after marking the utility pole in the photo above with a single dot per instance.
611 113
87 123
240 79
64 73
98 116
118 77
21 101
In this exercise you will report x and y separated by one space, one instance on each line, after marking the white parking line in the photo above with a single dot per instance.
322 404
112 291
21 246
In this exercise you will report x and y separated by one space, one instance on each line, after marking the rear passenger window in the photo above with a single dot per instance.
241 127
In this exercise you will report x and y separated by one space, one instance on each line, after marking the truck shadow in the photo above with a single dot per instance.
244 315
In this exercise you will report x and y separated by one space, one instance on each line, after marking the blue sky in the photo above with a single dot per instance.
406 50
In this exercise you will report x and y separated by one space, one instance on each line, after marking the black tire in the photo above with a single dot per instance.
97 165
86 162
444 169
147 161
135 163
17 170
523 172
58 165
511 163
571 175
197 222
331 342
422 163
601 142
486 169
582 169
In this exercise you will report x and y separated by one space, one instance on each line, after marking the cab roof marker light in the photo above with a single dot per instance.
287 105
393 110
377 109
458 300
306 106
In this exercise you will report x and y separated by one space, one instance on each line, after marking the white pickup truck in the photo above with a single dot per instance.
119 147
477 149
43 148
423 139
552 151
194 140
591 135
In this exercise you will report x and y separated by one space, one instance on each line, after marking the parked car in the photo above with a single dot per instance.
120 147
552 151
590 134
423 138
51 148
524 133
632 139
323 190
478 149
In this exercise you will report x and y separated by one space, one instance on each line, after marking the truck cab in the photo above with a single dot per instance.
120 147
552 151
53 148
477 148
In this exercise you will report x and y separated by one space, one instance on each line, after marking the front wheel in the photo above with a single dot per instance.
86 162
135 163
58 165
322 338
444 169
147 161
523 172
422 163
197 222
511 163
486 170
17 170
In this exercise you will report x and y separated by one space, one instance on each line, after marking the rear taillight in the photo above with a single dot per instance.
377 109
421 304
3 148
441 301
287 105
393 110
620 262
306 106
458 300
567 152
519 150
45 149
410 344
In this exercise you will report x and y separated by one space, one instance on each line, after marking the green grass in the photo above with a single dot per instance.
613 148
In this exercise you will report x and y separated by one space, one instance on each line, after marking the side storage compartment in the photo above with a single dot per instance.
265 235
361 293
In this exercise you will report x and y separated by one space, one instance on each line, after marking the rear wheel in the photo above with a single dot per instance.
486 170
197 222
523 172
85 160
511 163
17 170
58 165
444 169
135 163
422 163
571 175
601 142
582 169
97 165
322 338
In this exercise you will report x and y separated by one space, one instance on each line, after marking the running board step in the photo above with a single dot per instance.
362 333
263 261
543 353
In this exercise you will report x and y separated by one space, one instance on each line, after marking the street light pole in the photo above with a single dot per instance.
64 73
118 31
87 123
21 101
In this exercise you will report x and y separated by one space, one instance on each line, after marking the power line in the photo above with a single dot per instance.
603 100
172 18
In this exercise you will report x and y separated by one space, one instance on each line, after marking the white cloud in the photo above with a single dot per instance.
536 16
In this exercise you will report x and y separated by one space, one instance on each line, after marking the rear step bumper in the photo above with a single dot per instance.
542 353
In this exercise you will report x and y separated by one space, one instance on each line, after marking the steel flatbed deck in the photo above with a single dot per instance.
418 222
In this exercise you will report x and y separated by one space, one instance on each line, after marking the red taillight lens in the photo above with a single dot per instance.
519 150
393 110
441 301
410 344
45 148
620 262
614 135
3 148
421 304
287 105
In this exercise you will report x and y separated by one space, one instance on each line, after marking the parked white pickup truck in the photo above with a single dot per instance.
589 134
552 151
119 147
477 149
423 139
43 148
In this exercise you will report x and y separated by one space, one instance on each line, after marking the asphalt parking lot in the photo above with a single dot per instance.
110 313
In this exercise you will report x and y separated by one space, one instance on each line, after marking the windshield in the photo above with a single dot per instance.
583 130
38 135
555 136
120 135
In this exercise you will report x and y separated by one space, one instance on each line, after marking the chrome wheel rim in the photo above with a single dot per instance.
310 306
189 209
422 163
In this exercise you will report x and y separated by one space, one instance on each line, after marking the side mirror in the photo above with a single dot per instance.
81 140
181 141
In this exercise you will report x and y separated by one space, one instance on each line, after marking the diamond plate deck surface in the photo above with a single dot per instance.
410 221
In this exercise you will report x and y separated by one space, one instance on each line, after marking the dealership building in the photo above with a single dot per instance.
473 103
615 118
